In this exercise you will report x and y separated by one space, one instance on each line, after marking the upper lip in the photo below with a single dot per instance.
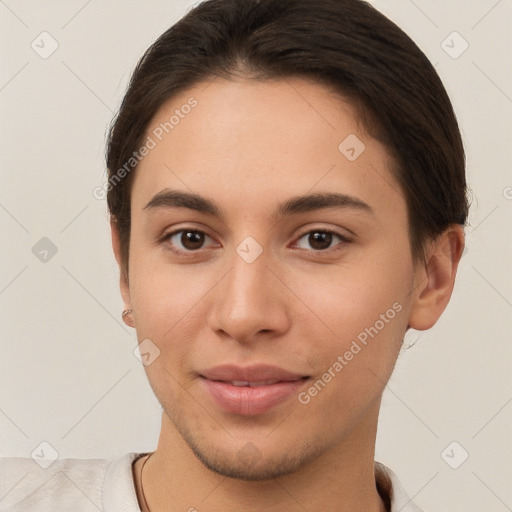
254 373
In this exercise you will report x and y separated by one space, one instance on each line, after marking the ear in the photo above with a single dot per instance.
123 279
435 279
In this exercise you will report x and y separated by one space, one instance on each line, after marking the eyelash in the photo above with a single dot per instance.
344 241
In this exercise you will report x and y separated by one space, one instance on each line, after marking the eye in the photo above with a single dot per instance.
320 240
192 240
186 240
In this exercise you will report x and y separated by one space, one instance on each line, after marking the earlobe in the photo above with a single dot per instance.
123 278
435 280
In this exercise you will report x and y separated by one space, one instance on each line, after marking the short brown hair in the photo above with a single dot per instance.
346 44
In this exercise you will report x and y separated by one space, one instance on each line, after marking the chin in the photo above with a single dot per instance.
249 469
252 463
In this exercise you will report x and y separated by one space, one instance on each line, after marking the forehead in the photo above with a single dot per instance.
244 138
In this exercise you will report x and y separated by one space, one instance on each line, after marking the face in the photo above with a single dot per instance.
268 234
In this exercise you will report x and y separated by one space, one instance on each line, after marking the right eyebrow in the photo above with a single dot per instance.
174 198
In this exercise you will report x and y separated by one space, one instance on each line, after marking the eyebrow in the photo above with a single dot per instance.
300 204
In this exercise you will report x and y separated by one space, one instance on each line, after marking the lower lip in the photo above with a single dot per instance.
248 401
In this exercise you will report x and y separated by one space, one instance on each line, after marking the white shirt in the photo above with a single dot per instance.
92 485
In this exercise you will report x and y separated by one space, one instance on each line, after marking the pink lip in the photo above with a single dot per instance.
246 400
254 373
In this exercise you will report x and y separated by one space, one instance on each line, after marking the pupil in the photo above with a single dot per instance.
192 239
319 238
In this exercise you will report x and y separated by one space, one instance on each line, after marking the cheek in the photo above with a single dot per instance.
358 321
352 365
348 299
170 303
155 285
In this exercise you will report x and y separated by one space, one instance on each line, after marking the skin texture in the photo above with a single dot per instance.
249 146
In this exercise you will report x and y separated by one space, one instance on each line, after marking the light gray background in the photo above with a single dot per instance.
68 375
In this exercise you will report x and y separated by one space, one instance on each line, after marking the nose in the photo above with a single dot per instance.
250 302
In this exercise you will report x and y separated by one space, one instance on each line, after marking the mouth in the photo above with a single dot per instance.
251 390
256 374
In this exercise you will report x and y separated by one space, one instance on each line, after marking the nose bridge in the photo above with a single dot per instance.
248 300
246 285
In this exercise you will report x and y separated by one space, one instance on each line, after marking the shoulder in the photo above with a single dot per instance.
64 484
390 486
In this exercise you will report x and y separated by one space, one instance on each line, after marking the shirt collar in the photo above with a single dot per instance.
119 494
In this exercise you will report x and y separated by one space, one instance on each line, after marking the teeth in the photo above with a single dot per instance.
252 384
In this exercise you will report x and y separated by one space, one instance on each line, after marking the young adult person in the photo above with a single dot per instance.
287 195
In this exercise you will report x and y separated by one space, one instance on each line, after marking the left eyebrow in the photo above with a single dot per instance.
300 204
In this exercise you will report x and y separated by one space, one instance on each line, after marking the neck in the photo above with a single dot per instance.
341 479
